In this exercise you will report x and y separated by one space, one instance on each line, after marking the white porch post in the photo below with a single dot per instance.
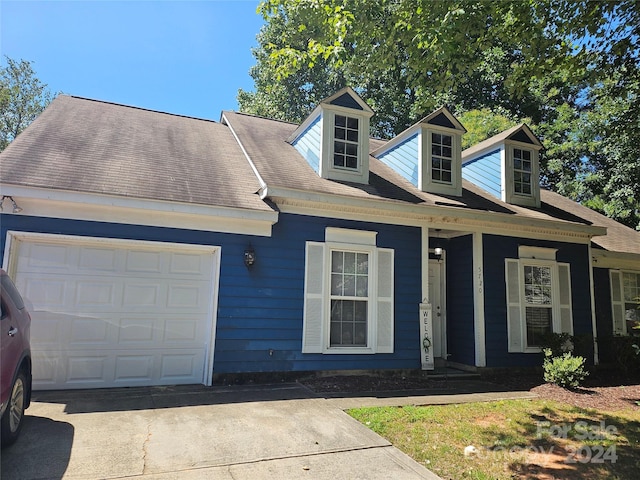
478 301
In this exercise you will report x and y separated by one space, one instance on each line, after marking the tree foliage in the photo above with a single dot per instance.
22 98
568 68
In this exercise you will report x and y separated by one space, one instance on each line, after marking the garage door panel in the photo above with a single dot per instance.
43 292
189 264
139 331
112 314
43 256
141 295
179 366
144 262
92 259
92 293
137 368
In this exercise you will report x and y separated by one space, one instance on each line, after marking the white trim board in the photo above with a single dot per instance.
105 208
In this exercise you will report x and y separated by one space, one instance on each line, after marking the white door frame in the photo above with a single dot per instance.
439 314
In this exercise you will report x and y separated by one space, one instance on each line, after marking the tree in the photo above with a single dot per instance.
564 66
22 98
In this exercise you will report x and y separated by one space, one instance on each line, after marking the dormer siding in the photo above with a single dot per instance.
403 158
484 171
334 139
308 143
507 166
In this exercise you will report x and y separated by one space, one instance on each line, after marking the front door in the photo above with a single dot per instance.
436 298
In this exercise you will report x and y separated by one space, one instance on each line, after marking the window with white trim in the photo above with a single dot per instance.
349 298
441 158
522 171
538 301
348 306
345 142
625 300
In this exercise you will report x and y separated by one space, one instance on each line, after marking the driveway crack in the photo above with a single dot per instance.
145 448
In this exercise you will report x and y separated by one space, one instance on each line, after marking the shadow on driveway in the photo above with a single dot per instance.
48 441
150 398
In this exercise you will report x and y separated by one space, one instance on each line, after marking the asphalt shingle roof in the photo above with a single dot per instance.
90 146
82 145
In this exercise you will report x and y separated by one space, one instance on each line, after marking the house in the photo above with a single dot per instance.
160 249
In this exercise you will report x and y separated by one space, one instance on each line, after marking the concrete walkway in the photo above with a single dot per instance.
269 431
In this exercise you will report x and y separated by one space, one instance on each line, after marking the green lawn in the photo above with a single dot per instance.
532 439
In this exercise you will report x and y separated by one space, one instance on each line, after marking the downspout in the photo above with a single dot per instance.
596 360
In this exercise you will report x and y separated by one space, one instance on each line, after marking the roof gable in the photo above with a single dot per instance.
442 117
348 98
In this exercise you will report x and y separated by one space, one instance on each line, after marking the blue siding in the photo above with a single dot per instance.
604 317
485 172
495 250
308 143
260 309
403 158
460 317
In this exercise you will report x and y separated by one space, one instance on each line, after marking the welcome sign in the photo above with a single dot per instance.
426 337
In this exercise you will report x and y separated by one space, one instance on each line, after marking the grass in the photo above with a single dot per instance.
514 439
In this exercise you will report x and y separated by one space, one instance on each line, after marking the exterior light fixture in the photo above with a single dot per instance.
16 208
249 256
438 251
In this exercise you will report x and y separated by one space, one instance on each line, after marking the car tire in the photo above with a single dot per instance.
13 416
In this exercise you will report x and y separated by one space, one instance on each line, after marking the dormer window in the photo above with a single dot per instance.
507 166
345 143
428 153
334 139
441 158
522 168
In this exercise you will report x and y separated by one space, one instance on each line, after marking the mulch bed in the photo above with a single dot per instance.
602 391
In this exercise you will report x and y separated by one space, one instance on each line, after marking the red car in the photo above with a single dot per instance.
15 377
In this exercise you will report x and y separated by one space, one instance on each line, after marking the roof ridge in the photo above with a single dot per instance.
260 116
139 108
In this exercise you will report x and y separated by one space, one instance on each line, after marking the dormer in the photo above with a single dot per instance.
507 166
334 139
428 153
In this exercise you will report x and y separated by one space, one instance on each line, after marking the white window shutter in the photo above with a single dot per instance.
313 298
384 341
515 320
566 315
617 302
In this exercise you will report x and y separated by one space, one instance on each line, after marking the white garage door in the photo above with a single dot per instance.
112 313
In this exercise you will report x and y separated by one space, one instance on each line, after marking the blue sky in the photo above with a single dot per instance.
183 57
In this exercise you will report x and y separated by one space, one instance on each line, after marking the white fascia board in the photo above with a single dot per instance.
500 146
522 145
397 140
395 213
304 125
41 202
607 259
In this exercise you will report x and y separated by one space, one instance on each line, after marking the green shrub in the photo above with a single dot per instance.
565 371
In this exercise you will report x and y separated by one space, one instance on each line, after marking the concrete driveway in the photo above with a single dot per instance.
194 432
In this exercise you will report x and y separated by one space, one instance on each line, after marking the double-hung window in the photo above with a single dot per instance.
538 301
345 142
441 157
522 171
625 300
348 305
349 298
